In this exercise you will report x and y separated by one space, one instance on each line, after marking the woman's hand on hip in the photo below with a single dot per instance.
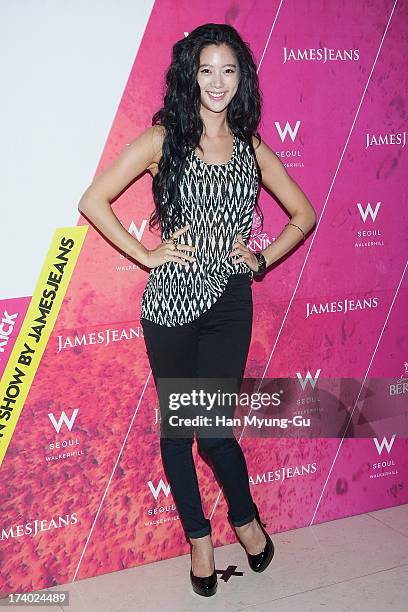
166 251
240 249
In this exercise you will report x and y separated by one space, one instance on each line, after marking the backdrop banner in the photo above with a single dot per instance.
82 487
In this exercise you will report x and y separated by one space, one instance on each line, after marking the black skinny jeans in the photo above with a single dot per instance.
215 345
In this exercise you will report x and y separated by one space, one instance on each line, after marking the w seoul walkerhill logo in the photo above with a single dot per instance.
283 154
368 211
288 130
368 235
163 511
308 379
63 419
161 487
64 447
384 444
310 397
386 465
137 231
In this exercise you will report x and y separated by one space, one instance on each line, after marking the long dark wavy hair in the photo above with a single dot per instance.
180 115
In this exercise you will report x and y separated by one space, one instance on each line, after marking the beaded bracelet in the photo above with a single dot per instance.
298 228
262 264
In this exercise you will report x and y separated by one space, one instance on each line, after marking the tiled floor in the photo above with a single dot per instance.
353 564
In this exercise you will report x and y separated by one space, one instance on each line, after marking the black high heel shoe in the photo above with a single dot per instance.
203 585
259 562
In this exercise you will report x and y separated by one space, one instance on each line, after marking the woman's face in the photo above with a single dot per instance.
218 72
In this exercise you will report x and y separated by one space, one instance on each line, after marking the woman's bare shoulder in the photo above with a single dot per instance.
256 142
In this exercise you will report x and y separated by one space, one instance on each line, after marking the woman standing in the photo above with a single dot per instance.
207 161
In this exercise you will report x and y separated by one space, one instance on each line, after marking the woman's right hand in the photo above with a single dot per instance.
166 251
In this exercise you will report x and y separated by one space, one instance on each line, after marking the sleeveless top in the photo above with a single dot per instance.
217 201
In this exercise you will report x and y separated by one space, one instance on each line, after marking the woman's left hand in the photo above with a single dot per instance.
240 249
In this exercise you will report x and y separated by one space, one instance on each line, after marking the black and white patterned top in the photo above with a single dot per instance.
218 202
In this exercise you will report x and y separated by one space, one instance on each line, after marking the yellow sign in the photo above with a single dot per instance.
37 326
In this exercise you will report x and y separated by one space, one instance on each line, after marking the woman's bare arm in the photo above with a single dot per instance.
276 178
141 154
